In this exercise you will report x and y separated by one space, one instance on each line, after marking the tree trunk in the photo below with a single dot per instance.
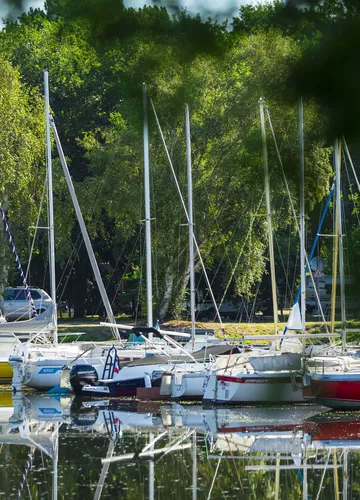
165 302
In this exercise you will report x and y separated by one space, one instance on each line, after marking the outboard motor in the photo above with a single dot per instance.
81 375
83 416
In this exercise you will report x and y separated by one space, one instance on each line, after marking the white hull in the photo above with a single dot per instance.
43 364
188 385
47 373
267 387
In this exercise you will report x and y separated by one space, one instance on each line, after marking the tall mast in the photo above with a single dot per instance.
335 258
55 463
302 222
150 322
268 214
84 232
191 226
337 153
50 203
151 469
194 471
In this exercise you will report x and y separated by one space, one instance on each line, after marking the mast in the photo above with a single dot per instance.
194 470
187 217
337 153
50 205
84 232
345 474
335 260
150 322
302 223
191 226
55 464
268 214
151 469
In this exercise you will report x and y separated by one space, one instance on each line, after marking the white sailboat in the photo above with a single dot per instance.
42 367
38 362
264 377
146 374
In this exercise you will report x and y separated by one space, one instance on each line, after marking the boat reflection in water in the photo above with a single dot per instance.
112 449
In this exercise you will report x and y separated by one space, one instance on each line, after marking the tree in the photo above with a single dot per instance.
97 65
21 161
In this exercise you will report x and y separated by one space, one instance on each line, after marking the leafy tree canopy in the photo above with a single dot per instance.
100 53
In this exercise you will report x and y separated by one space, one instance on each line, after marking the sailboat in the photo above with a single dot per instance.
260 377
38 363
146 374
42 367
335 380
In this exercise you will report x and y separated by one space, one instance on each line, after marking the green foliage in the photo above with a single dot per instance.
21 147
98 63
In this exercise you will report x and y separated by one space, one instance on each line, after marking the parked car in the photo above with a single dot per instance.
17 307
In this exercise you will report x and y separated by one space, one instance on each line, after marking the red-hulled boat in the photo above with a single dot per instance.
333 381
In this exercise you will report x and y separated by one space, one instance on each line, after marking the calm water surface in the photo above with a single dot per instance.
68 448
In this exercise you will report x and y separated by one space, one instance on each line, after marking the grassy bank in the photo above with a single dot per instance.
94 331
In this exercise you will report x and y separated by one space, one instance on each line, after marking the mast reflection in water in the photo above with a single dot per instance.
63 447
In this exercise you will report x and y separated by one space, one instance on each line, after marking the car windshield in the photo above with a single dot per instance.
14 294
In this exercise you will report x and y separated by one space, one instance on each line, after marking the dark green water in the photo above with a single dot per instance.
55 448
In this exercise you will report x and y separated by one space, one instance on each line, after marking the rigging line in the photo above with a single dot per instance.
350 186
155 262
214 478
36 228
103 179
283 265
76 251
288 269
141 252
351 163
179 255
123 274
242 250
226 255
233 459
93 207
217 216
294 277
129 259
141 280
307 267
116 264
17 260
323 476
26 471
252 313
187 216
283 172
344 221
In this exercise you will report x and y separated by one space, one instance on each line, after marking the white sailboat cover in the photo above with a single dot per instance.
294 321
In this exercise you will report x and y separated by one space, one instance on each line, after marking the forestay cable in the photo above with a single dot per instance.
36 228
351 163
17 260
187 215
296 223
